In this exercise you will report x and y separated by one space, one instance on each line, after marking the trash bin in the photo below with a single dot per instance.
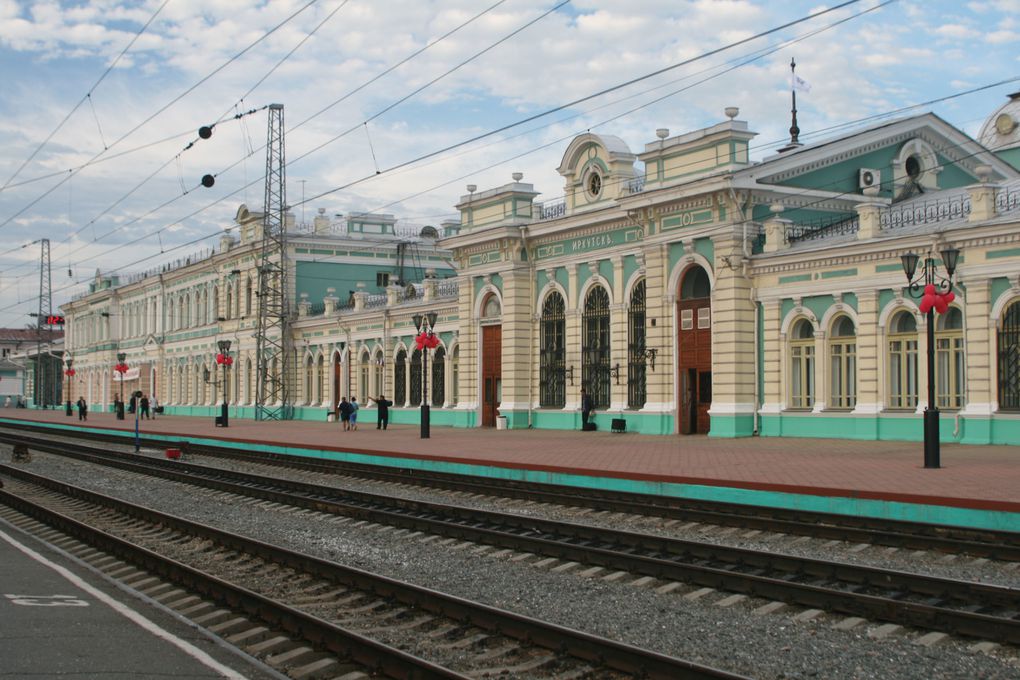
173 454
501 423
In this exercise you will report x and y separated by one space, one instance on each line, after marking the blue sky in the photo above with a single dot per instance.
105 217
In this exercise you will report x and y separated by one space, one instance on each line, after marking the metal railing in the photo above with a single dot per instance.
447 288
1007 198
818 229
956 206
551 211
374 301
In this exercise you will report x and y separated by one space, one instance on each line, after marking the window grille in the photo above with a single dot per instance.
1009 359
399 379
416 378
552 358
595 347
438 368
637 391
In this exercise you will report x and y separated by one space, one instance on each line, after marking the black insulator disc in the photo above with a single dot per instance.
205 132
208 180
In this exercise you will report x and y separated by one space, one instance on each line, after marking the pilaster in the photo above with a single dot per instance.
869 353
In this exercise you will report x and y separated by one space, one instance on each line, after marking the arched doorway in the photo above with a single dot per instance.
694 344
338 368
492 360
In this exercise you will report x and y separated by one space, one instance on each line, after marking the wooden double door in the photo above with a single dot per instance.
694 368
492 373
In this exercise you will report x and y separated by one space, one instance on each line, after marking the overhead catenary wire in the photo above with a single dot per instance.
88 95
915 105
560 107
252 150
163 108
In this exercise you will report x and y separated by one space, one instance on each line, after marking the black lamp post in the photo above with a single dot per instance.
119 406
928 275
425 324
224 346
69 372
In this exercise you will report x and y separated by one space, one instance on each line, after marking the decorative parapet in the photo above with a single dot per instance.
304 306
359 300
447 288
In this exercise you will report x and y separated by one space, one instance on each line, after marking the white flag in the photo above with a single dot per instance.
798 83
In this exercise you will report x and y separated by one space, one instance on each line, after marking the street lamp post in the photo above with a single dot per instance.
935 292
426 340
69 372
225 359
121 368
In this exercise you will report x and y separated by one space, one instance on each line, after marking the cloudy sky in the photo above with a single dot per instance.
97 114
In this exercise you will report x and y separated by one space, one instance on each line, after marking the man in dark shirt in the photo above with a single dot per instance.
586 407
383 414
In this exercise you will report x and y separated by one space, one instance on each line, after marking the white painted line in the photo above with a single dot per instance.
129 613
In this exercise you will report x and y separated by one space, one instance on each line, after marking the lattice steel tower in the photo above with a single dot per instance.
272 338
45 310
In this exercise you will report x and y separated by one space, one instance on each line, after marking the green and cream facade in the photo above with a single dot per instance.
688 289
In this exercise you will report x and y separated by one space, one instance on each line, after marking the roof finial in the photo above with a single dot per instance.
794 130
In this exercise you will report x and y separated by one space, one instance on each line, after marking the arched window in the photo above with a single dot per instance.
438 369
415 396
247 297
309 380
637 391
949 359
491 310
230 302
400 378
843 364
1009 358
552 358
215 303
903 361
455 376
363 385
320 368
595 346
802 365
377 374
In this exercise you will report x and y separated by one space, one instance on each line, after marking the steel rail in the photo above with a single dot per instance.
593 649
998 545
757 573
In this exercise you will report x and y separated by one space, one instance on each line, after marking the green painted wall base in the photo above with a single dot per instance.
1004 429
741 425
857 507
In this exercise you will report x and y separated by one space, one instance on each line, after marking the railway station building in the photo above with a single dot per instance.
687 288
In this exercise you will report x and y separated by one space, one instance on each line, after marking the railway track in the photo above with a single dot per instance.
959 607
996 545
314 618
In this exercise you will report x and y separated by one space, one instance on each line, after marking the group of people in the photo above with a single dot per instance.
142 404
348 412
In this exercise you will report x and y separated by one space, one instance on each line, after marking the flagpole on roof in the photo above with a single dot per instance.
796 83
794 130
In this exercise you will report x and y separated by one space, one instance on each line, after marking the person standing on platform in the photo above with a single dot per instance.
144 404
133 403
383 414
118 407
343 409
155 406
586 408
354 413
83 409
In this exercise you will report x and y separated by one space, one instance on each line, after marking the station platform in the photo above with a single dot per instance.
977 486
59 618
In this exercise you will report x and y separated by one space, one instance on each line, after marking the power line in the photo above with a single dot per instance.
163 108
87 97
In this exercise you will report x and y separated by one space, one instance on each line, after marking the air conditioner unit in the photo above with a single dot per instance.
869 178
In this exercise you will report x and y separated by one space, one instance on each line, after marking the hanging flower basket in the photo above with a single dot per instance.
121 368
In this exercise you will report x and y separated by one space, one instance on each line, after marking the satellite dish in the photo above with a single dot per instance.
208 181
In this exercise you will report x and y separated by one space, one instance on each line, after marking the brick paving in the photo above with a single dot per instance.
980 477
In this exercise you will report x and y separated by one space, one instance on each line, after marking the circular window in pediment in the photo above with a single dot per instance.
594 184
